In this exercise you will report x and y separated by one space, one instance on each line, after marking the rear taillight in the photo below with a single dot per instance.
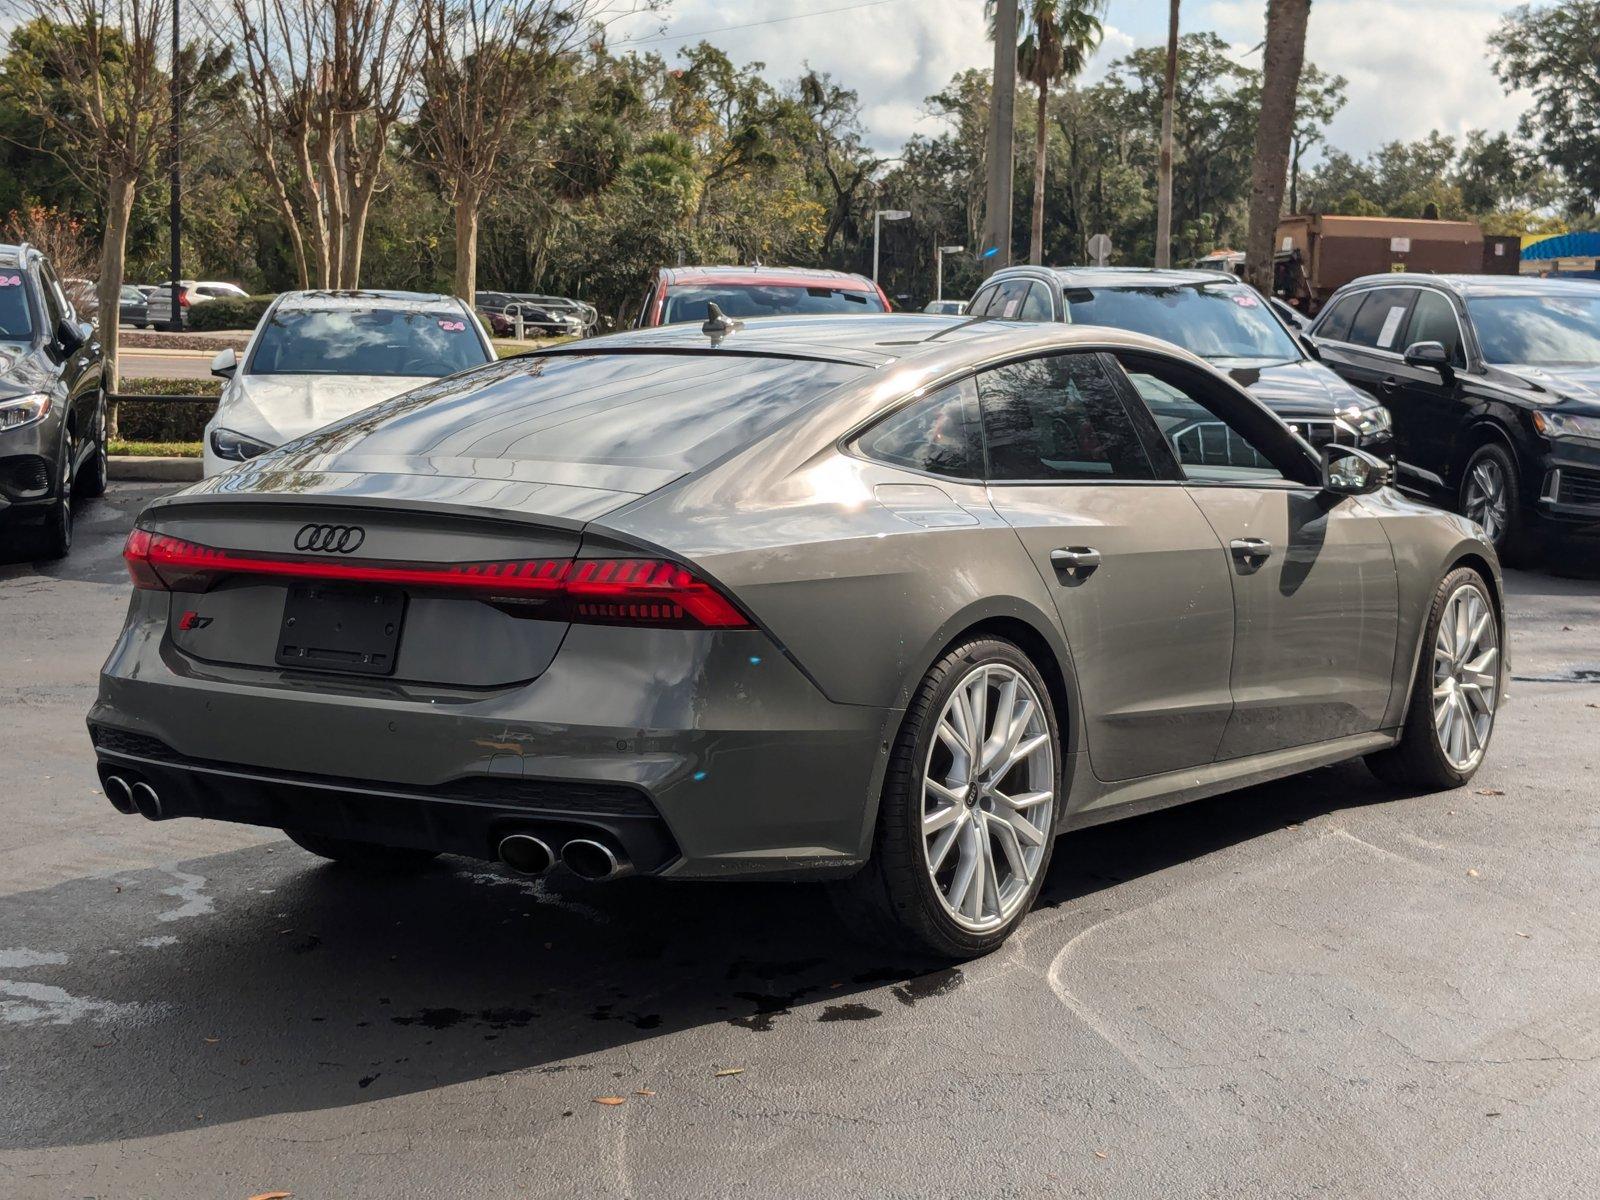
183 297
592 591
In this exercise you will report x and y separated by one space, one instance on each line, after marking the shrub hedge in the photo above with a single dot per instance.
229 314
138 422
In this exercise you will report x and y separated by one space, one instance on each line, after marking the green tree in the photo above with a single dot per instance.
1550 50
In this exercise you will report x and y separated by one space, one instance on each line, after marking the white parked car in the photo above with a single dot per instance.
317 357
190 293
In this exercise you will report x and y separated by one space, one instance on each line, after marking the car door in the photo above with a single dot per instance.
76 374
1140 582
1430 403
1316 603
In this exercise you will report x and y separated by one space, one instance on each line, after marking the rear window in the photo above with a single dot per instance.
375 341
689 303
673 412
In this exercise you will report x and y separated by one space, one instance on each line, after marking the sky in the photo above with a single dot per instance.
1413 65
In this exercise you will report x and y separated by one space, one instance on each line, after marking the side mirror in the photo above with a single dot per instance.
1347 471
70 337
1430 354
225 364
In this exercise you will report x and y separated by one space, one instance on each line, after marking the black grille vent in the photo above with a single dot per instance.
548 795
25 474
1579 487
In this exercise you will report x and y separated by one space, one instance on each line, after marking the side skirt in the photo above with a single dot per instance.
1151 792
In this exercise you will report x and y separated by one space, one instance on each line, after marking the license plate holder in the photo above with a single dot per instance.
334 627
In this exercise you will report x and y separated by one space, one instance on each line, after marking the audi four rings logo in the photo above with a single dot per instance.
330 539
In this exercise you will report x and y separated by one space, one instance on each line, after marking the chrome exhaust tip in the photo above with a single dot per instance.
526 854
145 801
120 795
593 860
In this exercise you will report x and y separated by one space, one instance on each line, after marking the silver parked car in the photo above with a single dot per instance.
888 600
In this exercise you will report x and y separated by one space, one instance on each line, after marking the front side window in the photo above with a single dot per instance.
1377 322
1537 331
690 302
367 341
1433 319
980 303
938 434
1210 444
1059 418
1216 320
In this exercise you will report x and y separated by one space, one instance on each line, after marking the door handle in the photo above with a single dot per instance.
1075 560
1389 385
1252 551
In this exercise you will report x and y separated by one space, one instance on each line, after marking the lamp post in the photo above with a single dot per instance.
175 161
938 269
878 217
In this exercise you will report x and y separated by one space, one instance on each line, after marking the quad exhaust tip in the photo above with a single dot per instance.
526 854
120 795
589 859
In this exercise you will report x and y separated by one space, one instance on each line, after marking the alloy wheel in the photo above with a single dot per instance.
1487 498
988 797
1466 677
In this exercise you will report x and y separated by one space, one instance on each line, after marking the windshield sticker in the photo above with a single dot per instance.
10 280
1246 300
1011 307
453 326
1391 326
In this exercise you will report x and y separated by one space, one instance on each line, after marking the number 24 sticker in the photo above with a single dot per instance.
453 326
10 280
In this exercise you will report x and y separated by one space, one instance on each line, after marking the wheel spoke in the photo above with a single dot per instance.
977 695
955 741
1006 835
1024 799
1026 829
1004 709
966 867
977 881
940 850
946 793
990 897
940 817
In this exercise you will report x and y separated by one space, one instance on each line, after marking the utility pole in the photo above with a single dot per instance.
1164 169
175 160
996 251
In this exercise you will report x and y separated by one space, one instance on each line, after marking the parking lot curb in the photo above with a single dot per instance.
155 470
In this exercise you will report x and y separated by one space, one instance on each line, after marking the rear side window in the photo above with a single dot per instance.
938 434
1008 300
673 412
1037 306
1433 319
1335 323
1378 322
1059 418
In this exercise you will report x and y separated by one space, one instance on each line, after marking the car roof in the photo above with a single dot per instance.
867 339
759 276
1485 285
325 300
1114 277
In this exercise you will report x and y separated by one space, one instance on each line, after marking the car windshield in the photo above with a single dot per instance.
16 310
367 341
1538 331
688 303
1214 320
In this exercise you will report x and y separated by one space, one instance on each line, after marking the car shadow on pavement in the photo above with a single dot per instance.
261 981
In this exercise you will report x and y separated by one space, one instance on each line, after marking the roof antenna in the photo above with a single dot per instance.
718 326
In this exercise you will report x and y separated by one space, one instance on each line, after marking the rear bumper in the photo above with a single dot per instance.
711 754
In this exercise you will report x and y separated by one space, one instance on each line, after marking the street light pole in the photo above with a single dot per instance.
938 269
878 217
175 208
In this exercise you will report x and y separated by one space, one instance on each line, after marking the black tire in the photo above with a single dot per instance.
91 481
364 856
53 539
892 900
1418 762
1513 543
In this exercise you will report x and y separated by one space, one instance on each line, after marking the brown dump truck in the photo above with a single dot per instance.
1317 254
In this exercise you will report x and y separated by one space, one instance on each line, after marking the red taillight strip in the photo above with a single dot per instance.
625 591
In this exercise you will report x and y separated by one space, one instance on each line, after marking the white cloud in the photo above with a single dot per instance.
1412 68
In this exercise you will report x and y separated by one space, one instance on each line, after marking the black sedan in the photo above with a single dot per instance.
1493 384
133 307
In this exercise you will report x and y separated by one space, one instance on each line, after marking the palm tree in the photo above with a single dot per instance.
1285 51
1055 40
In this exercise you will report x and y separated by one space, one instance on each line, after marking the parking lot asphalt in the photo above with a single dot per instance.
1316 987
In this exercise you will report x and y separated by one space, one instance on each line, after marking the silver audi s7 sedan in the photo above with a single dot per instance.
894 600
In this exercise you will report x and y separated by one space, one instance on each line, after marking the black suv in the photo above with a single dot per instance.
52 407
1493 385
